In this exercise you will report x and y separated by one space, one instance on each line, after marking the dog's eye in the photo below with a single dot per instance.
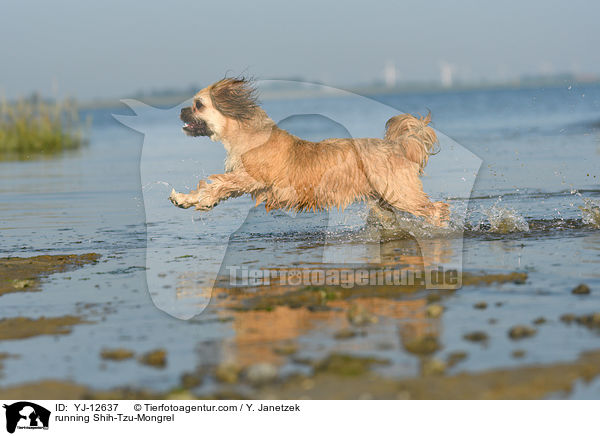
198 104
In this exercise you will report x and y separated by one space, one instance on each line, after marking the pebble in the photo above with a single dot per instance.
22 284
189 380
521 331
116 354
582 289
455 357
423 345
568 318
518 354
432 367
591 321
434 310
261 373
156 358
476 336
344 334
227 372
359 316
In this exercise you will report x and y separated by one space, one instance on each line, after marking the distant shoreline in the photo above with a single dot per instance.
374 90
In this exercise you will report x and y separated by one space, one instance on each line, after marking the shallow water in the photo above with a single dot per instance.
533 208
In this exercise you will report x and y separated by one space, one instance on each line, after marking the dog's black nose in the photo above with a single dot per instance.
186 111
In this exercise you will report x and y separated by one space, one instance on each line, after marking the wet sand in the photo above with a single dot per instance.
23 274
346 377
529 382
337 375
21 327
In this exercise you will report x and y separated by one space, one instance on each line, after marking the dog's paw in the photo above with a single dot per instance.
180 200
205 205
204 208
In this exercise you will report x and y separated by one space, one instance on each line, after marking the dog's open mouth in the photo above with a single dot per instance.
193 126
196 128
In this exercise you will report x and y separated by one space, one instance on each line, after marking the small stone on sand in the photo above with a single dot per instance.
476 336
156 358
521 331
582 289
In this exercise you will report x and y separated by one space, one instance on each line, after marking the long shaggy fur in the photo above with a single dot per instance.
235 98
414 136
287 172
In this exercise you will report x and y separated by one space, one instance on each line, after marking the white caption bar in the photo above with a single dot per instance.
299 417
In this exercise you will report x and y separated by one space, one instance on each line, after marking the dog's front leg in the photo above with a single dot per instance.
223 186
185 201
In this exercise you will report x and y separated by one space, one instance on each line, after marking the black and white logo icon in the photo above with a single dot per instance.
26 415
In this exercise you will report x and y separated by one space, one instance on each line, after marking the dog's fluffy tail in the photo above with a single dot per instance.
414 135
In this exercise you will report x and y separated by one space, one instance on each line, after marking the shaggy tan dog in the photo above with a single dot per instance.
287 172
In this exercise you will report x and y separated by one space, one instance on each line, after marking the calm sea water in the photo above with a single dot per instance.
520 167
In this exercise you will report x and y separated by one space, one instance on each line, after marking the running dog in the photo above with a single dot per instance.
287 172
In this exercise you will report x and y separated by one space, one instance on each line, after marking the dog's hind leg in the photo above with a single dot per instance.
403 190
416 202
381 215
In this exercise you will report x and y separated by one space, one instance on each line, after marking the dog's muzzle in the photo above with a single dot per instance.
193 126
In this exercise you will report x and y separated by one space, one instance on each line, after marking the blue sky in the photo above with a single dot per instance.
114 49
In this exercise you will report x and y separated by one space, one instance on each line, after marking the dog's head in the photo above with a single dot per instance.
216 106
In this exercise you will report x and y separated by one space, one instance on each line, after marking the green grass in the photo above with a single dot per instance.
32 128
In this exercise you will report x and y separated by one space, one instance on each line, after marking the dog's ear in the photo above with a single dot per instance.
235 98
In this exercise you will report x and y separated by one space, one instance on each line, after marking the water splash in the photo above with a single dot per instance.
403 225
149 186
505 220
590 212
